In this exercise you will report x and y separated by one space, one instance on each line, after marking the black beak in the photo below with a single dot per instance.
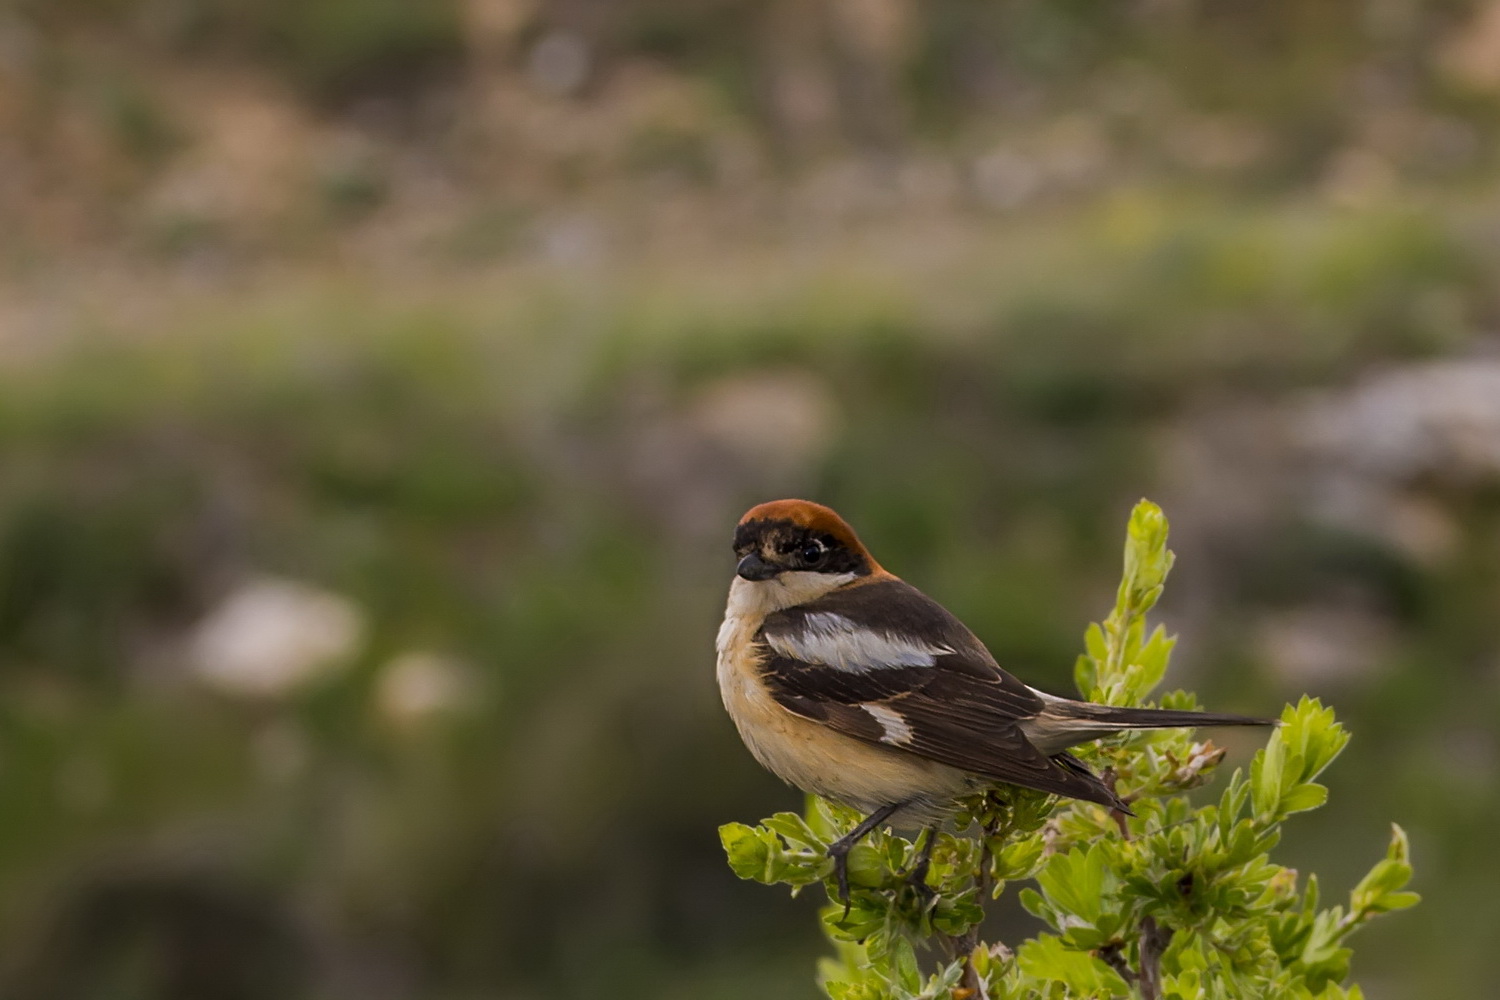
753 567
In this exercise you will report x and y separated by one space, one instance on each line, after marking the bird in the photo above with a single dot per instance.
847 682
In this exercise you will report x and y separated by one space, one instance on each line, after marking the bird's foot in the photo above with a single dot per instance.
838 851
916 877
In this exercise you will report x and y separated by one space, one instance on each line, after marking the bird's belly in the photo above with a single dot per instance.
820 760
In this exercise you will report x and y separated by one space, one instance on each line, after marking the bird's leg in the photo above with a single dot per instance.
839 849
918 874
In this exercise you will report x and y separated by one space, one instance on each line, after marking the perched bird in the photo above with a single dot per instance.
850 683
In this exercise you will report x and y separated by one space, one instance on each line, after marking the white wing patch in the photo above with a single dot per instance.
895 727
837 642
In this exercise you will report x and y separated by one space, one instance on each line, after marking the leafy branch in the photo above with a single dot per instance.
1176 902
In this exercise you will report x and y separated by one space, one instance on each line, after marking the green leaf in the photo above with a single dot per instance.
1151 662
1304 797
1085 675
1399 848
907 972
1312 735
866 867
1093 641
748 853
1033 903
795 830
1378 891
1265 778
1045 958
1075 883
1019 858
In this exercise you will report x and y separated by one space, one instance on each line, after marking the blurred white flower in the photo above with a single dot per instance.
419 684
272 635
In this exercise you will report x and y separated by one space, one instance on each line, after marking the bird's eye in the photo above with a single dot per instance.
811 553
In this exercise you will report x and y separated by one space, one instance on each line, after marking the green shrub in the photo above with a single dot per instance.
1175 902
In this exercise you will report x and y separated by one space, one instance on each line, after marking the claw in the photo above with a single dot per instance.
839 849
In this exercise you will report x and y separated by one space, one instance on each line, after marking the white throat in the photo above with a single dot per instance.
759 598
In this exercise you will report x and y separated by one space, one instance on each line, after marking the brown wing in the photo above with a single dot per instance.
886 664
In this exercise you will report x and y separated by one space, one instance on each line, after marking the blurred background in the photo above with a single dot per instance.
380 381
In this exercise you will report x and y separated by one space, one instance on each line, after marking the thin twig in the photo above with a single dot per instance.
1109 778
969 940
1113 955
1154 941
963 945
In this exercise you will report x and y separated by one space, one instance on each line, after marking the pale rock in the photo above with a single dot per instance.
1439 420
1323 645
272 635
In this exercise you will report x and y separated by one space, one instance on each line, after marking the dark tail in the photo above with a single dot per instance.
1160 718
1064 723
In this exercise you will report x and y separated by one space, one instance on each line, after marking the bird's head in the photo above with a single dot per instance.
794 551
